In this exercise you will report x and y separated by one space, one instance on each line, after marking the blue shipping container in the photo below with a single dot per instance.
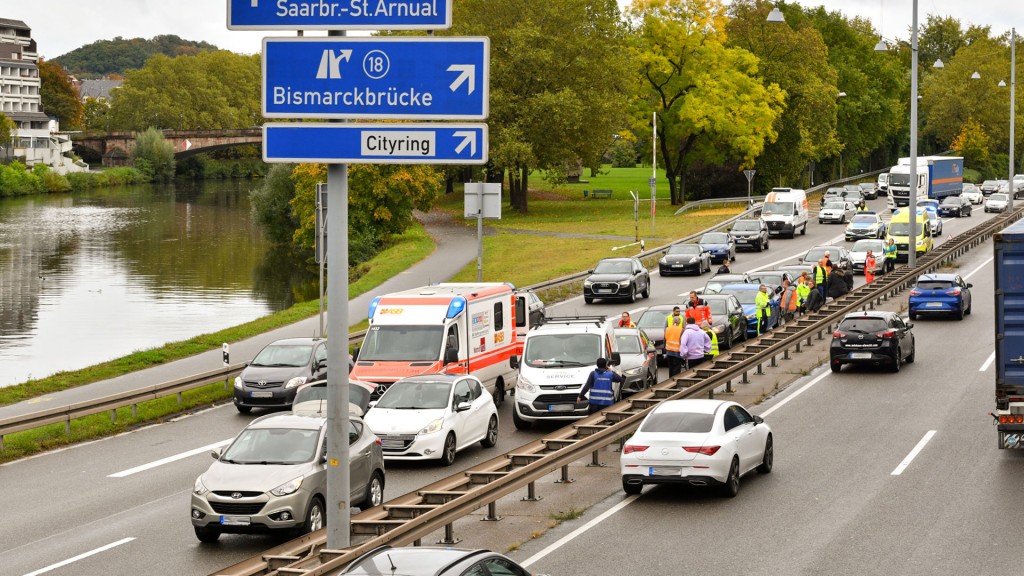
1009 271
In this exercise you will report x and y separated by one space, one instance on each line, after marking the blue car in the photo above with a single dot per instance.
940 294
746 293
720 244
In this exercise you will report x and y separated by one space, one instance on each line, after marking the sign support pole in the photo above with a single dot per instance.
654 167
480 235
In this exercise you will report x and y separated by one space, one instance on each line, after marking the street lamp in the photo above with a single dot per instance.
1013 90
841 95
776 15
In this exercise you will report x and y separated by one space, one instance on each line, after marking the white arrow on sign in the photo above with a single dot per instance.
187 144
467 138
467 72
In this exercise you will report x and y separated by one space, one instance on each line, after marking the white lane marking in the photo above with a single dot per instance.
991 359
80 557
913 453
800 391
978 269
169 459
577 532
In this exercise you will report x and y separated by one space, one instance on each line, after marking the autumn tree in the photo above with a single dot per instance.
7 130
559 84
973 144
59 98
712 105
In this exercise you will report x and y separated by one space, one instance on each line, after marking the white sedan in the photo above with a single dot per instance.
432 417
697 443
973 194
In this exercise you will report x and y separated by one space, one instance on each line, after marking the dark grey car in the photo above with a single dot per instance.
617 278
751 234
432 561
273 376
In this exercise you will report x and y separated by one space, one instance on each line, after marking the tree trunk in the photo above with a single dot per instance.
449 184
517 188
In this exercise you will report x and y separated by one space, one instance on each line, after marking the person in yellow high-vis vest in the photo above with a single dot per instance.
714 341
764 311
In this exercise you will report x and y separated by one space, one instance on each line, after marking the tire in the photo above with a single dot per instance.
374 492
448 451
803 231
912 316
727 343
732 483
647 290
913 353
843 220
960 314
519 422
631 489
243 409
315 516
588 299
835 366
491 438
768 460
499 392
206 534
766 244
632 293
969 306
898 363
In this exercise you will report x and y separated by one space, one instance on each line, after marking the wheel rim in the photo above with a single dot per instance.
734 476
316 517
376 492
492 431
769 454
449 449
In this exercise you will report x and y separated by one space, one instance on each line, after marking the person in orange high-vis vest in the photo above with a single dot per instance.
673 334
789 302
869 267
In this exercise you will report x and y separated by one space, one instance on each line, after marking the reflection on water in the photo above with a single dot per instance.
93 276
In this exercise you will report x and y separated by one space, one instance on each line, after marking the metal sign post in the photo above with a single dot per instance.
320 238
750 186
482 200
636 216
654 167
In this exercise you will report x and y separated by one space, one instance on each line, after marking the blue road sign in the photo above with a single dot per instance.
390 143
339 15
422 78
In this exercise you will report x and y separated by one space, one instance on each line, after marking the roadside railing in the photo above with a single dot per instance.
717 202
410 518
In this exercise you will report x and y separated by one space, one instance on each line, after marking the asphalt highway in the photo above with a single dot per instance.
117 505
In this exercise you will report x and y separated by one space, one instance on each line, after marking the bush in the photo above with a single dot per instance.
16 180
623 153
154 156
54 182
271 206
114 177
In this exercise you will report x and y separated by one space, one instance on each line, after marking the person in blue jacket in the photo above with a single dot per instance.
601 385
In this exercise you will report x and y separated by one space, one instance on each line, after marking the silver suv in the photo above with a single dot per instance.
272 477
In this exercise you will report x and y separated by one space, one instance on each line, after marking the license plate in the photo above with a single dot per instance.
603 291
679 265
934 305
262 394
560 407
860 355
234 520
665 471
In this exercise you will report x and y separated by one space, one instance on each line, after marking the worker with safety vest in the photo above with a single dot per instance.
869 267
890 256
601 384
821 272
764 311
789 301
673 336
674 318
625 321
803 290
714 341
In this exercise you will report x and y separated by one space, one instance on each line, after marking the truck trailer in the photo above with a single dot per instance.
1009 361
937 177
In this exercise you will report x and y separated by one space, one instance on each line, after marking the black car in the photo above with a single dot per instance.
954 206
273 376
839 255
617 278
989 186
685 258
751 234
727 319
868 190
433 561
873 338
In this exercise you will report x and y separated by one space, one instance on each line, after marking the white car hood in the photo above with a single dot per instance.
832 212
394 421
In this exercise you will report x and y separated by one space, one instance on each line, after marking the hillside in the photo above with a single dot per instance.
120 54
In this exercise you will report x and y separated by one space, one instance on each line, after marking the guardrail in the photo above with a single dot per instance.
114 401
409 518
717 201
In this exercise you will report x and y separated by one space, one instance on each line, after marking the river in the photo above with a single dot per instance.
92 276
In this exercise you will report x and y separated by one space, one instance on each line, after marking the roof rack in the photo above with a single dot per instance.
574 320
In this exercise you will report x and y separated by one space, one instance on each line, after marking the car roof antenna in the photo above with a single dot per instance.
393 567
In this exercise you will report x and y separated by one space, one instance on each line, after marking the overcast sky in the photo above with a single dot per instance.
60 26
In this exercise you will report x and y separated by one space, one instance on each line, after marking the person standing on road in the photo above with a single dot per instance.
814 299
789 301
764 312
803 290
869 267
724 268
714 341
601 384
695 344
821 277
675 318
673 343
625 321
890 257
695 301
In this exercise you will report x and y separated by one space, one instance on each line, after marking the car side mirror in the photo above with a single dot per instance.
758 420
616 359
319 365
371 404
451 356
215 454
463 406
513 362
590 271
969 285
355 353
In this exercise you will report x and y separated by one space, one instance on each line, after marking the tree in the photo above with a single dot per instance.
58 96
559 83
154 156
973 144
117 56
7 131
712 105
271 204
211 90
794 56
97 114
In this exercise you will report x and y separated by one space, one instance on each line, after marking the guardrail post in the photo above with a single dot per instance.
449 536
67 426
1 442
226 383
113 415
595 460
531 493
798 346
785 354
135 410
565 476
492 513
760 369
746 377
179 398
773 362
728 386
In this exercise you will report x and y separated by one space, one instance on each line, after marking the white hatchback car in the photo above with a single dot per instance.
698 443
973 194
433 417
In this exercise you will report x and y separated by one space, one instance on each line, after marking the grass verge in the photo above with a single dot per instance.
409 248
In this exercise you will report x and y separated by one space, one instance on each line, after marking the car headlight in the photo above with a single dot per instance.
238 382
526 386
199 489
588 283
434 426
288 487
623 283
717 329
920 242
297 381
633 371
663 261
694 259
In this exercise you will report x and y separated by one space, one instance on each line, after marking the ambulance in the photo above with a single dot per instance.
899 232
455 328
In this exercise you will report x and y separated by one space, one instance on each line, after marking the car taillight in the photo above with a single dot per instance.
953 292
629 448
705 450
838 334
916 292
886 334
1011 419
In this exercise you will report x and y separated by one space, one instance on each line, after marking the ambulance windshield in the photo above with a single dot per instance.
402 343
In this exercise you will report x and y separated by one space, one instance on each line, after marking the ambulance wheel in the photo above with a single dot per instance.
499 392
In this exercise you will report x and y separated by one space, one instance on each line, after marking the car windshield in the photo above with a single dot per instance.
613 267
989 183
998 197
785 208
951 201
863 325
685 422
934 284
416 395
556 350
283 355
899 179
865 219
853 196
926 204
903 229
876 246
628 344
747 226
815 254
718 308
318 392
685 249
970 187
405 343
715 238
835 206
653 319
773 278
268 446
744 296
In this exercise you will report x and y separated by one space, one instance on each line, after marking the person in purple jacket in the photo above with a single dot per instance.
694 344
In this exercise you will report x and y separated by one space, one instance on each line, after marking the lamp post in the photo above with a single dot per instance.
1013 92
838 96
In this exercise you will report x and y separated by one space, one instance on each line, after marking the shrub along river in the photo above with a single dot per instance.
93 276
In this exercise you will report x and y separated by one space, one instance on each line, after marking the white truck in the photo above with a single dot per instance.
785 211
937 177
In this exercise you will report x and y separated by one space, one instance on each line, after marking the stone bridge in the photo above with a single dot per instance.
115 148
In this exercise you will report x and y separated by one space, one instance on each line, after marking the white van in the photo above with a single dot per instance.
785 210
558 356
882 186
